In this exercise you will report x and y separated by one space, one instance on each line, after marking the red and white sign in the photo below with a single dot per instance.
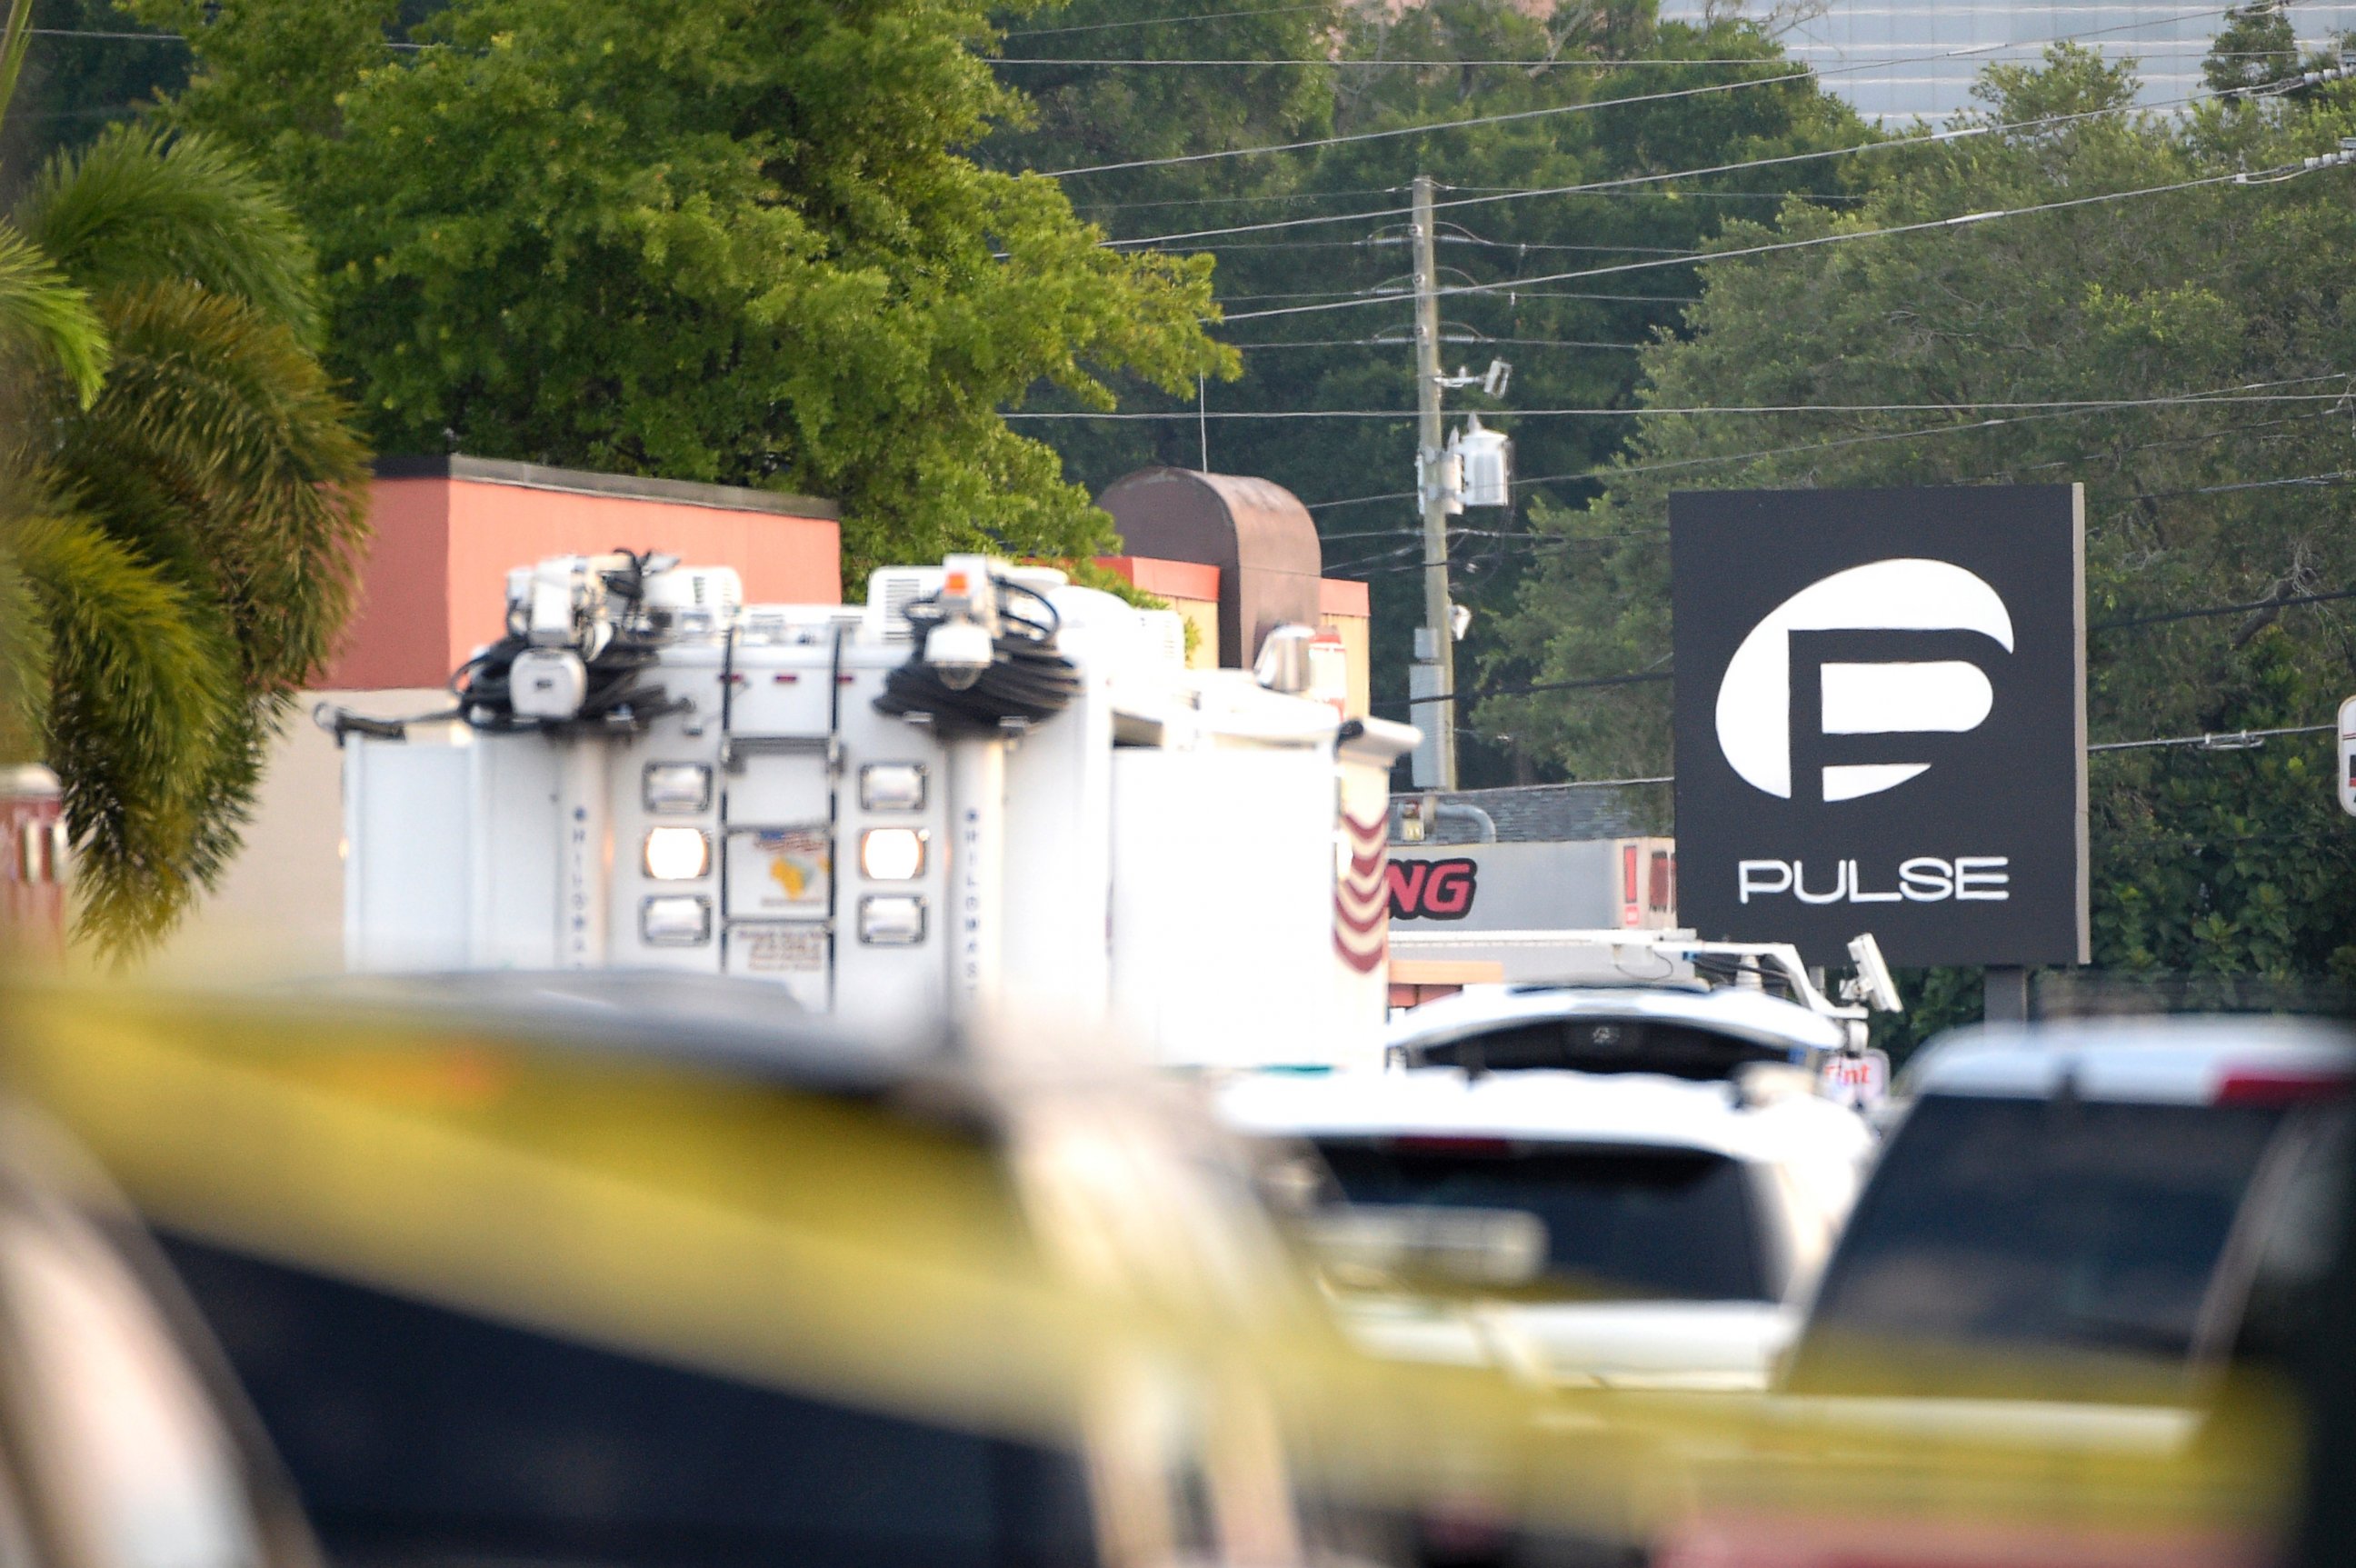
1362 915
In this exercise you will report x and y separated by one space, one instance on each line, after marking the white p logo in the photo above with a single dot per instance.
1891 697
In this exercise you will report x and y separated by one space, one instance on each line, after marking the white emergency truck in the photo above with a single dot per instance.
985 788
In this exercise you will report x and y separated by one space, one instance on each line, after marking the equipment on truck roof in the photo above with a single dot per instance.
986 784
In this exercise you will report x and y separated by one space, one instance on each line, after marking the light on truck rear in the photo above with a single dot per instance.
677 854
892 854
891 919
676 789
678 921
892 787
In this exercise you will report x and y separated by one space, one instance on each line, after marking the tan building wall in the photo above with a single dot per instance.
280 907
1343 606
1193 590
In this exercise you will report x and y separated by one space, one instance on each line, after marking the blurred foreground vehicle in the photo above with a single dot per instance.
1630 1229
622 1269
127 1446
2061 1326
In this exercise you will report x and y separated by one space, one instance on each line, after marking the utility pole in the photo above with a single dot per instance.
1435 643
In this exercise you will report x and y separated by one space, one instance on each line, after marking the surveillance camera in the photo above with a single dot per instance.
959 652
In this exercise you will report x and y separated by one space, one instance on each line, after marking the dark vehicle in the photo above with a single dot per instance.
2101 1211
2068 1323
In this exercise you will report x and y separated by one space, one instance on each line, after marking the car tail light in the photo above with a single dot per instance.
2276 1086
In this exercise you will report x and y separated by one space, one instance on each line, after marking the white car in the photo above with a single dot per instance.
1674 1220
1677 1031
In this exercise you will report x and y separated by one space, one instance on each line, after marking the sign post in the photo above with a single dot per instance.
1881 721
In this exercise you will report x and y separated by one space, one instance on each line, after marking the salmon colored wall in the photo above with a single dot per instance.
1342 597
434 586
400 632
783 560
1343 606
1357 651
1170 579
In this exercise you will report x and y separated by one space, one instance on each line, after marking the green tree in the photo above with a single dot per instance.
2254 49
180 493
1571 346
706 239
2227 306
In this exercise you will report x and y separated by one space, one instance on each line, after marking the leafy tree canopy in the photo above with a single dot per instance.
2226 306
705 239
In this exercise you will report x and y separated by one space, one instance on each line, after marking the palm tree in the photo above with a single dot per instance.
182 495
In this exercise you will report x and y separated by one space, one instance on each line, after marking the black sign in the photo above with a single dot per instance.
1881 720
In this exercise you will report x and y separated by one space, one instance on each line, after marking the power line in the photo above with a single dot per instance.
79 33
1233 201
2337 476
1837 237
1622 185
181 38
1162 21
1538 541
1287 10
1479 693
2071 405
1422 129
1989 53
2228 740
2209 610
1408 343
1360 293
1373 242
1605 471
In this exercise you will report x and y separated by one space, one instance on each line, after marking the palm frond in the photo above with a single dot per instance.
143 692
47 323
16 35
137 206
24 663
218 451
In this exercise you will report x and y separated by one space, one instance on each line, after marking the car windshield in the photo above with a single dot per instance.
1621 1223
2008 1236
1602 1045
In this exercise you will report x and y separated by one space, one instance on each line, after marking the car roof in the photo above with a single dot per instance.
2177 1060
1734 1010
732 1024
1540 1105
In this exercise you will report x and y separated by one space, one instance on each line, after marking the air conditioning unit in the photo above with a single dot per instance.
1164 635
890 591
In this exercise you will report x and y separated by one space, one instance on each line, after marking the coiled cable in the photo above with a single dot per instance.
1027 683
